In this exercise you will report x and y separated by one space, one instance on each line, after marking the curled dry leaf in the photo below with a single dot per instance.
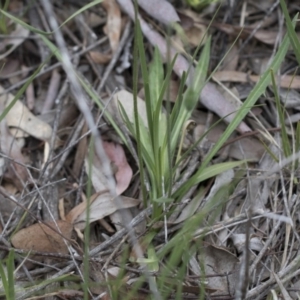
121 168
16 38
41 238
79 209
19 116
114 23
123 174
103 206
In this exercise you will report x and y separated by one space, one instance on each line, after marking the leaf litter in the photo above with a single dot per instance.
34 124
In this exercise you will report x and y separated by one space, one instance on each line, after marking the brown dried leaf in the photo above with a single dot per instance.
79 209
196 34
265 36
100 58
219 261
121 168
123 175
9 67
41 238
285 81
114 23
231 60
100 208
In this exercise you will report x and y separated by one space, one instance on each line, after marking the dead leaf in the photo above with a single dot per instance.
196 34
239 241
121 169
100 208
290 98
16 171
247 148
161 10
20 117
99 179
39 237
8 67
100 58
265 36
114 23
231 60
126 99
219 261
285 81
123 175
80 208
16 38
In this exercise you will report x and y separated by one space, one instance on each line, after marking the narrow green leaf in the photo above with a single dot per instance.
145 76
156 77
205 174
23 24
163 200
10 274
137 37
4 280
153 259
284 136
193 92
291 31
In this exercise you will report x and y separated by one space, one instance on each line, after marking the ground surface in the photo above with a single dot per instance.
231 235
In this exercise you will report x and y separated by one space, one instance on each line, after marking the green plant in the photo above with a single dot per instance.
159 141
3 25
7 276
